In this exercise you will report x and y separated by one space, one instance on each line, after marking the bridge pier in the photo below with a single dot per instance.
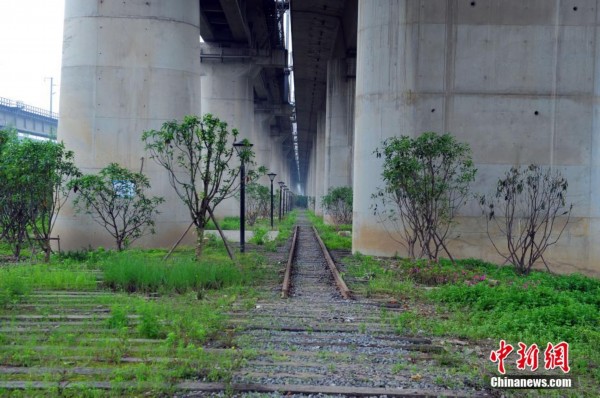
339 131
227 93
127 67
501 76
321 153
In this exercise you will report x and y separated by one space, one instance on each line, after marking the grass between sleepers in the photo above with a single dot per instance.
484 303
144 323
329 233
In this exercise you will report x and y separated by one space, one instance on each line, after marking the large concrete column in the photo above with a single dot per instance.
127 67
385 81
339 130
321 152
516 80
228 94
262 143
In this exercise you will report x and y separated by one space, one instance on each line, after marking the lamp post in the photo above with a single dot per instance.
285 188
271 177
281 184
240 148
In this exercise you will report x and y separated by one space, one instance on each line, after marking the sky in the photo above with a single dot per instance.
30 50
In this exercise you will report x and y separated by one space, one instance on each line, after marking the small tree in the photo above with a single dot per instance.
197 155
338 204
116 200
526 209
47 167
13 208
34 176
258 202
426 182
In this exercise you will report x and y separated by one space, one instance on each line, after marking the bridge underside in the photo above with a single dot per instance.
516 80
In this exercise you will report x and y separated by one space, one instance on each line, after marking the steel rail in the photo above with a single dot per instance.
346 293
287 278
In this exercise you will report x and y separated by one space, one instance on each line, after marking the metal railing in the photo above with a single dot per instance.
27 108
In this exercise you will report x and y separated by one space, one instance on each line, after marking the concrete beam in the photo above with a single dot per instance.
237 21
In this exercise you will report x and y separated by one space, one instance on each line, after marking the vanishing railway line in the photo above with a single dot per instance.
315 342
322 342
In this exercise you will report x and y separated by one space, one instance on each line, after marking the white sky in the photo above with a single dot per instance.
30 50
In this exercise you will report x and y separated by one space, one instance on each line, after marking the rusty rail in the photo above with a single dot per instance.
287 278
346 293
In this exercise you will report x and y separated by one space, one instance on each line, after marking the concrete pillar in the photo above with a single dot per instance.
127 67
339 131
313 168
320 163
517 81
227 93
262 143
385 79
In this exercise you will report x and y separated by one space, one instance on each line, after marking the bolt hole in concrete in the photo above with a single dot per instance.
536 113
433 110
473 4
574 8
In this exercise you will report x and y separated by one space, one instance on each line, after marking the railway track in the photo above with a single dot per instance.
315 342
319 341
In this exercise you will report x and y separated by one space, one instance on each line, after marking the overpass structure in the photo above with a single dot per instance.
518 81
28 120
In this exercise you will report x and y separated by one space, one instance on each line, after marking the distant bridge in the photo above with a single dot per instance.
28 120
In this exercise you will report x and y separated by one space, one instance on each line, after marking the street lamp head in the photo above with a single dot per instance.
242 146
271 176
281 184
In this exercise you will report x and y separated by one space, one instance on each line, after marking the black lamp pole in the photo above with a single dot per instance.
271 177
281 183
284 200
240 147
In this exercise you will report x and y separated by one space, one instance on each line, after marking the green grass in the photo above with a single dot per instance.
188 315
17 280
329 234
479 301
182 324
227 223
134 271
233 223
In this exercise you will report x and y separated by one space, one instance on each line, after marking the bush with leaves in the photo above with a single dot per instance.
527 208
33 188
338 205
115 198
198 155
258 202
426 181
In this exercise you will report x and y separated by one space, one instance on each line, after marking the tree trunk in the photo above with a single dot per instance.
47 250
229 252
199 242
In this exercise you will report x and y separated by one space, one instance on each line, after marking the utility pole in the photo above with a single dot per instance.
52 85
